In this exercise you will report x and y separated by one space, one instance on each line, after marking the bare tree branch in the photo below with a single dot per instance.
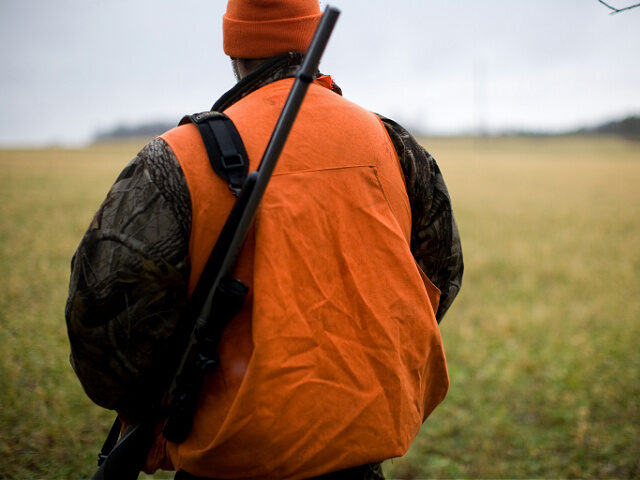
618 10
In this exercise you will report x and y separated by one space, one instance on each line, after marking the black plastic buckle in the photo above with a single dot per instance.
232 161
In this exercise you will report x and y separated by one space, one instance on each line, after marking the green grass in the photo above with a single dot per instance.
48 428
541 343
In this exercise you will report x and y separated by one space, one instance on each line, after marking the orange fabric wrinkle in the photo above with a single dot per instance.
336 358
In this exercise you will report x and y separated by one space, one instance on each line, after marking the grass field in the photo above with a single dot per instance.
542 343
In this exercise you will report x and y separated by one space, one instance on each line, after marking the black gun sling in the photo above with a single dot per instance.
228 158
224 147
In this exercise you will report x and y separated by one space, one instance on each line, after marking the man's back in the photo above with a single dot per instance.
332 356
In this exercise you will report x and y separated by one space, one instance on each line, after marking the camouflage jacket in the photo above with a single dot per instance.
129 275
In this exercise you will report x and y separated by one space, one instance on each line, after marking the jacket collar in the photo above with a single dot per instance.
274 69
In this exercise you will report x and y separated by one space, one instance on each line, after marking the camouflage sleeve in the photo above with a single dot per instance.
435 241
128 283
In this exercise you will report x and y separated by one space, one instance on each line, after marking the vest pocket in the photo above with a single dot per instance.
432 290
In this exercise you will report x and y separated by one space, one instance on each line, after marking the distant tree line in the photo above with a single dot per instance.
628 127
122 132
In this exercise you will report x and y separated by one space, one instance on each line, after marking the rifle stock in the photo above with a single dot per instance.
127 458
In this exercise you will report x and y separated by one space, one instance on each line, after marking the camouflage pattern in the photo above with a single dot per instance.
128 283
435 241
129 276
276 68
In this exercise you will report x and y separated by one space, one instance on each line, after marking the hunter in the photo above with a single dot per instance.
336 358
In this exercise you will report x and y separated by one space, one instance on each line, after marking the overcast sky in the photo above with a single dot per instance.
72 67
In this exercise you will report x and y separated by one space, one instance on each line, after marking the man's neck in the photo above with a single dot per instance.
244 66
270 70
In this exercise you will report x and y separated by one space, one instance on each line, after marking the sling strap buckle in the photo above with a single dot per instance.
224 147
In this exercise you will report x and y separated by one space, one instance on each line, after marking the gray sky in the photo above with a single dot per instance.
72 67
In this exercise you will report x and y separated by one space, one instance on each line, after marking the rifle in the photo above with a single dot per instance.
123 458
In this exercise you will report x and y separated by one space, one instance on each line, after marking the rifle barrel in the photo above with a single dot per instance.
304 77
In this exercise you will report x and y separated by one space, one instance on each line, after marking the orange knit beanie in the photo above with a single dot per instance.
264 28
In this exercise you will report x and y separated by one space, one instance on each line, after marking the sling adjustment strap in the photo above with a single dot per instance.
224 146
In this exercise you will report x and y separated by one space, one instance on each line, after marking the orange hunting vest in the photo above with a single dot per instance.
336 358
